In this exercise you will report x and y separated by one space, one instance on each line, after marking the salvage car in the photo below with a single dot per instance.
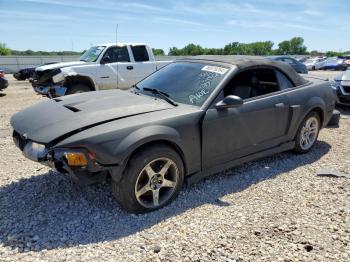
192 118
3 81
315 63
101 67
334 63
24 74
27 73
298 66
341 84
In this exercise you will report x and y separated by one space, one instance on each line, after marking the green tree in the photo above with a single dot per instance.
174 51
283 48
192 49
333 53
158 52
295 46
4 50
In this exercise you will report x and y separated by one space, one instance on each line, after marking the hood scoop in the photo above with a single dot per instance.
72 108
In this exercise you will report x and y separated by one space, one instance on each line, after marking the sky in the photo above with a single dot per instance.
77 24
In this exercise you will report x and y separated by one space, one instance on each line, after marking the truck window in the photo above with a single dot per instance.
118 54
140 53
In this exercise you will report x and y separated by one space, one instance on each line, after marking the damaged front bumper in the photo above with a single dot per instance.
51 91
56 158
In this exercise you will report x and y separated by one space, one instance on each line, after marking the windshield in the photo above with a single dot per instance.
185 82
92 54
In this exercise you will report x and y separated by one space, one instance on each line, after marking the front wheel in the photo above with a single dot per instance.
152 179
307 133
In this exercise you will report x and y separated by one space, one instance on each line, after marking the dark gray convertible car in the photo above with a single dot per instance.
188 120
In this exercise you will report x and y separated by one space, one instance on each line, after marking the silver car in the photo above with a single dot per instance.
315 63
341 84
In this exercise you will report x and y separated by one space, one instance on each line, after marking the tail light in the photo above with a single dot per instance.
2 73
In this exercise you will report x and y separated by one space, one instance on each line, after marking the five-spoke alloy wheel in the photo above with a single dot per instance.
308 133
156 182
152 179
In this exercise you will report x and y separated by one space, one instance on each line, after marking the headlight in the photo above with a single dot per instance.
34 151
58 78
335 84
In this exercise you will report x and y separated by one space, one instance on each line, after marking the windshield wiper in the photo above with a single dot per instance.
162 95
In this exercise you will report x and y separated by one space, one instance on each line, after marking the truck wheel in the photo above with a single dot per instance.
307 133
78 88
152 179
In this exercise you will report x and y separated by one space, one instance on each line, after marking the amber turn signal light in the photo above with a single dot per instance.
76 159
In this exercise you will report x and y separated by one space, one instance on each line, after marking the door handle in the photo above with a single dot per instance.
130 67
280 105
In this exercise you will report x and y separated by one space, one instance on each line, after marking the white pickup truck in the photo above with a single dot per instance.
101 67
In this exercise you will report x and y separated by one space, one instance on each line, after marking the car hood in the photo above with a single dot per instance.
343 77
53 120
59 65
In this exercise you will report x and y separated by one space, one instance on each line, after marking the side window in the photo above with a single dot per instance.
140 53
283 81
252 83
118 54
289 61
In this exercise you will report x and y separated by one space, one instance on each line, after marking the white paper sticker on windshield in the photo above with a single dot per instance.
215 69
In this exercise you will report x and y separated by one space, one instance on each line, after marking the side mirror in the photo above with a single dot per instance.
229 102
105 60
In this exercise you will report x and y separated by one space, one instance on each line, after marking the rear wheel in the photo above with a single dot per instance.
151 180
78 88
307 133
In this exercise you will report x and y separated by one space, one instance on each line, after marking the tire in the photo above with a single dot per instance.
143 174
307 133
78 88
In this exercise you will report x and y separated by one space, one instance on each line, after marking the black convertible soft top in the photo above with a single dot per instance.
243 62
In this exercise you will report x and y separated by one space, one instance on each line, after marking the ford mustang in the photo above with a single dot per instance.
192 118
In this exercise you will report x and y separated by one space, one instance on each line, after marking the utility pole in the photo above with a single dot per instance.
116 34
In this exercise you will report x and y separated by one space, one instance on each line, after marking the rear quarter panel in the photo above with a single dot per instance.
315 95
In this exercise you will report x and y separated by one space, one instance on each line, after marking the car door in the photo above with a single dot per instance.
143 66
260 123
118 72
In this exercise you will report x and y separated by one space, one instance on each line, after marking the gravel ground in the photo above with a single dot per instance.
275 209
